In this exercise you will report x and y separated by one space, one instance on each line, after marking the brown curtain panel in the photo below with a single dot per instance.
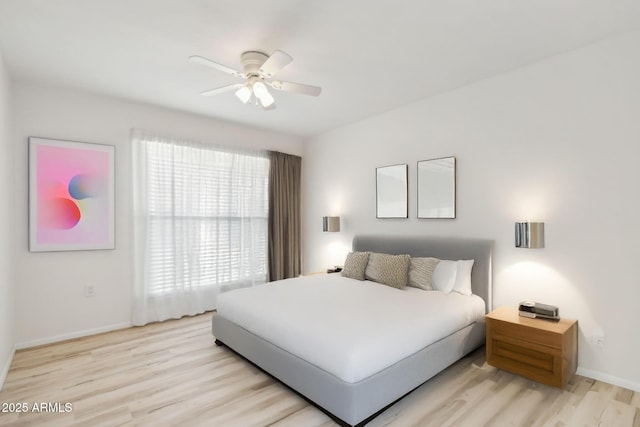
284 216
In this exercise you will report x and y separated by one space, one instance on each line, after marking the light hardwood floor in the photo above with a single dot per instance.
172 373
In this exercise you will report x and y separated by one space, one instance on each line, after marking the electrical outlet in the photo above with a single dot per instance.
89 291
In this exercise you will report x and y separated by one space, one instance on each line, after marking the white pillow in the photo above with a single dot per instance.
462 283
444 276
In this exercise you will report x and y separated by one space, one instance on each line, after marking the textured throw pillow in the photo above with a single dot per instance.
444 276
387 269
462 283
355 264
421 271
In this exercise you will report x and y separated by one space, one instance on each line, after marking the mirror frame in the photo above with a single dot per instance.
436 188
392 191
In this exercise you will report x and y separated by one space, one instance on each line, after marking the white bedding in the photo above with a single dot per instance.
349 328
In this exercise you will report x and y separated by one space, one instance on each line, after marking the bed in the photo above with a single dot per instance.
354 347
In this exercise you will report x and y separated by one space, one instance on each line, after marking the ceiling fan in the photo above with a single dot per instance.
258 70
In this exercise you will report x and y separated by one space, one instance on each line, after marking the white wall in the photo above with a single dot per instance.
50 297
557 141
7 240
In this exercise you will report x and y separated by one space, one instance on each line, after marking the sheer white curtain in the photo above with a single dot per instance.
200 224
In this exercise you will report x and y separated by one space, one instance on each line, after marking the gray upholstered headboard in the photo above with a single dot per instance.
480 250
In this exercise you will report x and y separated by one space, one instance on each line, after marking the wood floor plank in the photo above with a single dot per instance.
307 416
172 373
565 407
525 406
635 400
617 414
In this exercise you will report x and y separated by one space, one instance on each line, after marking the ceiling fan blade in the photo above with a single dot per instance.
295 87
209 63
222 89
277 61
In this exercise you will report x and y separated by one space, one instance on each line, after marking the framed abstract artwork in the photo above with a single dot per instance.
392 191
71 195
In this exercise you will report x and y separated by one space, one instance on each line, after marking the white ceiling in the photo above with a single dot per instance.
368 56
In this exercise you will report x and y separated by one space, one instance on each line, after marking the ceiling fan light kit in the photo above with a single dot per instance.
244 94
258 68
261 92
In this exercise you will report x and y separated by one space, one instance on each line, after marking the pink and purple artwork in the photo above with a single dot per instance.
71 195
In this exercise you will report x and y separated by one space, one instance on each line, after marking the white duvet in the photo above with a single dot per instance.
349 328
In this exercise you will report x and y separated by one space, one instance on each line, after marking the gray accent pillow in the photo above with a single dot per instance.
420 272
355 265
388 269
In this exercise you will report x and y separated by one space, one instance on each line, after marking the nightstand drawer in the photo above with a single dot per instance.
519 358
533 359
533 335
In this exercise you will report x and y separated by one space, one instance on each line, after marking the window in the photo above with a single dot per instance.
204 213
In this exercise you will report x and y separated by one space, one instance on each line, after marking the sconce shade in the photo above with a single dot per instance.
331 223
530 235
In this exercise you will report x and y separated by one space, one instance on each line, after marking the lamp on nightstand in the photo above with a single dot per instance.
331 223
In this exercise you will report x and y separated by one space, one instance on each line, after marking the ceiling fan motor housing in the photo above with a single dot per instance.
252 61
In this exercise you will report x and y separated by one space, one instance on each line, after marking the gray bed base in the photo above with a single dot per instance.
350 402
353 403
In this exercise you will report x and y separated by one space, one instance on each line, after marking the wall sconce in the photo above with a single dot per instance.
331 223
530 235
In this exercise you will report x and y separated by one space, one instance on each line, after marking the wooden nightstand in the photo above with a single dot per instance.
315 273
327 271
540 350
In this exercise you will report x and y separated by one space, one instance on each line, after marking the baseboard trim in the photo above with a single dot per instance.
601 376
72 335
5 371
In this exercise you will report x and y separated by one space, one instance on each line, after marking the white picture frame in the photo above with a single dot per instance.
392 191
71 195
437 188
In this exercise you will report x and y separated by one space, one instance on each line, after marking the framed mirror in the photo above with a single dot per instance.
437 188
392 192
